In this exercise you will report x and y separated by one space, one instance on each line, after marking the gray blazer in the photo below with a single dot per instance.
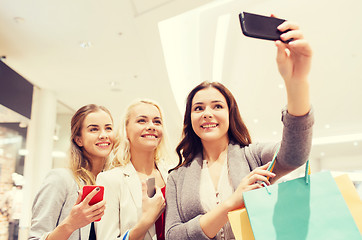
53 203
184 208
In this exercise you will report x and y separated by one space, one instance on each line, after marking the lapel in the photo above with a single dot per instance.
135 188
190 192
134 185
236 163
162 168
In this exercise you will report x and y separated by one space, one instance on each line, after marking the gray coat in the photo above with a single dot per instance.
53 203
183 186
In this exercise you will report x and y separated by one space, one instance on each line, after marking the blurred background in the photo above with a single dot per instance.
59 56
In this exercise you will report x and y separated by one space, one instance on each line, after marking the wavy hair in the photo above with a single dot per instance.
122 147
80 165
190 144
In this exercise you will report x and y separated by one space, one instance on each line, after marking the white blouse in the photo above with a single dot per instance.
211 197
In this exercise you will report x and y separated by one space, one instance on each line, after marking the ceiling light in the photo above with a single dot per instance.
18 19
327 126
85 44
115 86
256 120
355 144
281 86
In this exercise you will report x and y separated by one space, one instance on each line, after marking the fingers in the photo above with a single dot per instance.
144 189
91 195
79 199
260 174
288 25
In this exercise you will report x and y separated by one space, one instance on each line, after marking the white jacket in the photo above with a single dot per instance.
123 195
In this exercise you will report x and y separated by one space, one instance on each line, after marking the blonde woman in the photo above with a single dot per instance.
58 212
140 155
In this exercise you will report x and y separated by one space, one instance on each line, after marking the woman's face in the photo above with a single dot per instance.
145 127
96 135
210 115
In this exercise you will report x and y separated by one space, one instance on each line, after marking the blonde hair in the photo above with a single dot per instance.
122 147
80 165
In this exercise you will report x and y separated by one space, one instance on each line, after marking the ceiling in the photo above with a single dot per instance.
111 52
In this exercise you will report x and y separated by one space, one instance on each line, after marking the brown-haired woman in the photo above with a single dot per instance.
218 162
58 212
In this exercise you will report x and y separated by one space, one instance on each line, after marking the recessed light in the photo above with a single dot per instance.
281 86
115 86
275 132
327 126
355 144
256 120
18 19
85 44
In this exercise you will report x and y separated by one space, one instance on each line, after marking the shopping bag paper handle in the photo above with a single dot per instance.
307 167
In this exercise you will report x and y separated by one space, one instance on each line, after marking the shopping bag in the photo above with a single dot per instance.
351 197
240 224
310 207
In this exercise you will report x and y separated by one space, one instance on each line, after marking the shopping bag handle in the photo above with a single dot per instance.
307 167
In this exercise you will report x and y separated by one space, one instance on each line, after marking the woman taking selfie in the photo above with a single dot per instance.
140 155
218 162
58 212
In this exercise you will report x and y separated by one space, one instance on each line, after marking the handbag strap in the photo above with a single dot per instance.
307 167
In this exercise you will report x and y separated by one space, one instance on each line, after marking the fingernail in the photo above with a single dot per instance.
97 188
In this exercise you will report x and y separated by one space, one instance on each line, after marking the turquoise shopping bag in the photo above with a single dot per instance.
310 207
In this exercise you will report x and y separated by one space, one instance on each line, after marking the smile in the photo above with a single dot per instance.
103 144
209 125
151 136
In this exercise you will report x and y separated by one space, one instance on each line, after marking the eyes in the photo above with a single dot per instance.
156 121
201 107
96 129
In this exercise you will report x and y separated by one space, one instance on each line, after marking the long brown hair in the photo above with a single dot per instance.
190 144
80 165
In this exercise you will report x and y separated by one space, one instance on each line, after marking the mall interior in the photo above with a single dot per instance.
56 58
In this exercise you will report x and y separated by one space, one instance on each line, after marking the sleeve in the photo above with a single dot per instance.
175 228
48 205
297 139
294 149
109 227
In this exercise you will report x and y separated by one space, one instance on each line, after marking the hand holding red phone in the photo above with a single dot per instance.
83 213
92 195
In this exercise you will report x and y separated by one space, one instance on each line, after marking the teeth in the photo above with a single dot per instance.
103 144
209 126
150 136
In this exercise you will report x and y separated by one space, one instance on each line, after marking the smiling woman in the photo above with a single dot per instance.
58 211
140 156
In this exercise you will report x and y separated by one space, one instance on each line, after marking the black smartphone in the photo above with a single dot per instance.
151 190
258 26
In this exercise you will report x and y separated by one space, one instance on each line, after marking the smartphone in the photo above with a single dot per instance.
151 189
97 198
258 26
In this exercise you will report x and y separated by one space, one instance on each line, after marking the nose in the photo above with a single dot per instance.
150 127
207 113
103 134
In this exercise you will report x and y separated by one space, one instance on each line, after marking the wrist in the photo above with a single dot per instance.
67 227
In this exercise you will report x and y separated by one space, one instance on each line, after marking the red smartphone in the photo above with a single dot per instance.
97 198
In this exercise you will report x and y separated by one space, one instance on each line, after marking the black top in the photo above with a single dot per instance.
92 234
